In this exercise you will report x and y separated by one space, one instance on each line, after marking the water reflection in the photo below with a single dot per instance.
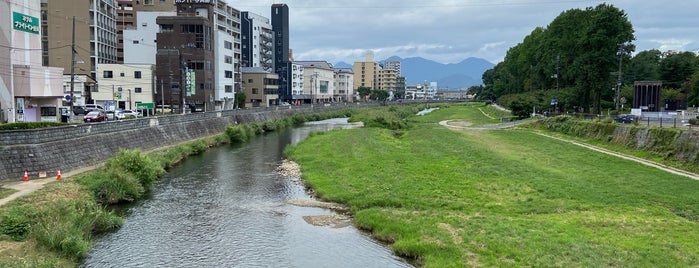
226 208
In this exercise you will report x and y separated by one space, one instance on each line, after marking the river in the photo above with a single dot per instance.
226 208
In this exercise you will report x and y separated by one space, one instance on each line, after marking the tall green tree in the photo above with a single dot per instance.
676 68
644 66
364 92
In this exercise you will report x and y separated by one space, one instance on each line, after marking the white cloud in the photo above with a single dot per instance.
450 30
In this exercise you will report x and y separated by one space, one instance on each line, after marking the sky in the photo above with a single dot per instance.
449 31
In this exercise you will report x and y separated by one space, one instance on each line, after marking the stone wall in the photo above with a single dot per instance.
73 147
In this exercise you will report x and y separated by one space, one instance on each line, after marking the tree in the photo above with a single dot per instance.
240 99
644 66
364 92
677 68
379 95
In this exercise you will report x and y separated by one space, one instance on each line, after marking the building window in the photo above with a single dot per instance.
137 90
121 74
227 45
250 80
107 74
228 59
135 42
255 91
137 74
148 2
229 89
229 74
48 111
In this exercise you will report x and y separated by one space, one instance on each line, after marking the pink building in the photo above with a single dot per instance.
28 91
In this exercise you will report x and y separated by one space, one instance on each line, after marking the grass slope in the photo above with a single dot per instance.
503 198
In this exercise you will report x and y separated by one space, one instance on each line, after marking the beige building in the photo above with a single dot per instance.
95 37
366 74
261 88
344 85
320 77
124 86
387 79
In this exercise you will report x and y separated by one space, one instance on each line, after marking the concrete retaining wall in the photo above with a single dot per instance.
72 147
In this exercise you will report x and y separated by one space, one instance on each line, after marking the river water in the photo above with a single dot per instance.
226 208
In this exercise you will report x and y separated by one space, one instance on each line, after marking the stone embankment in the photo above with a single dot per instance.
43 152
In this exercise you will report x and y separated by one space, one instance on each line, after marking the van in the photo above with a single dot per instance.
92 107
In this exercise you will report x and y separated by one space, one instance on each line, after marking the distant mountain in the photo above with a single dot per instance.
342 65
453 75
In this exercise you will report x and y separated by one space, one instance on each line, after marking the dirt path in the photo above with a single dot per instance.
27 187
460 124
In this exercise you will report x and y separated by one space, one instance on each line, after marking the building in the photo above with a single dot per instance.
344 85
393 65
257 41
321 81
94 33
387 79
199 55
366 73
282 60
260 87
136 29
28 91
186 55
297 84
124 86
646 96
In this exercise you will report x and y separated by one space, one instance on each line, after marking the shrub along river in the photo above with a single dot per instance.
226 208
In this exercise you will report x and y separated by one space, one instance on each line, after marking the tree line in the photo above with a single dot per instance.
573 65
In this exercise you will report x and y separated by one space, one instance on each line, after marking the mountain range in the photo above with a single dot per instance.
418 70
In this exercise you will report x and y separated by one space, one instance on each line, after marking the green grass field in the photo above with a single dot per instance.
461 198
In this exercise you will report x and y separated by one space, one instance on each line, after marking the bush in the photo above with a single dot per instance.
140 165
15 224
236 134
30 125
113 185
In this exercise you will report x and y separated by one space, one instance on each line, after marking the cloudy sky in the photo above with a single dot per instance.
449 31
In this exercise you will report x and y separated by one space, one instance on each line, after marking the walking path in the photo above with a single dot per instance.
27 187
458 124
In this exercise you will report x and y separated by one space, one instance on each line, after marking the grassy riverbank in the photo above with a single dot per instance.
503 197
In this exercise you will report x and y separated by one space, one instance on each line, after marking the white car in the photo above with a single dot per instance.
123 114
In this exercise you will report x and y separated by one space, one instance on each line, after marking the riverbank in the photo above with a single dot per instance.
461 197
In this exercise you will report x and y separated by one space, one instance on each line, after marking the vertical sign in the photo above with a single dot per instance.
193 85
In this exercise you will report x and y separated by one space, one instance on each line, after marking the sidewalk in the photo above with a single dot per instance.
27 187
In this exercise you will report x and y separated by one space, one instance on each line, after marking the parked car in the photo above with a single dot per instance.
284 104
124 114
79 110
95 116
625 118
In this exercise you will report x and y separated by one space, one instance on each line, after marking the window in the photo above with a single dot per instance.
137 90
229 74
228 59
227 45
229 89
148 2
48 111
250 80
135 42
137 74
255 91
121 74
107 74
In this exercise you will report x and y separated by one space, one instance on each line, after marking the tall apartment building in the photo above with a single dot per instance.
393 65
137 29
257 41
282 61
297 83
28 91
199 55
387 79
95 37
366 73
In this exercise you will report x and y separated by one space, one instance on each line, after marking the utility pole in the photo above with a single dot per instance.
619 53
72 69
